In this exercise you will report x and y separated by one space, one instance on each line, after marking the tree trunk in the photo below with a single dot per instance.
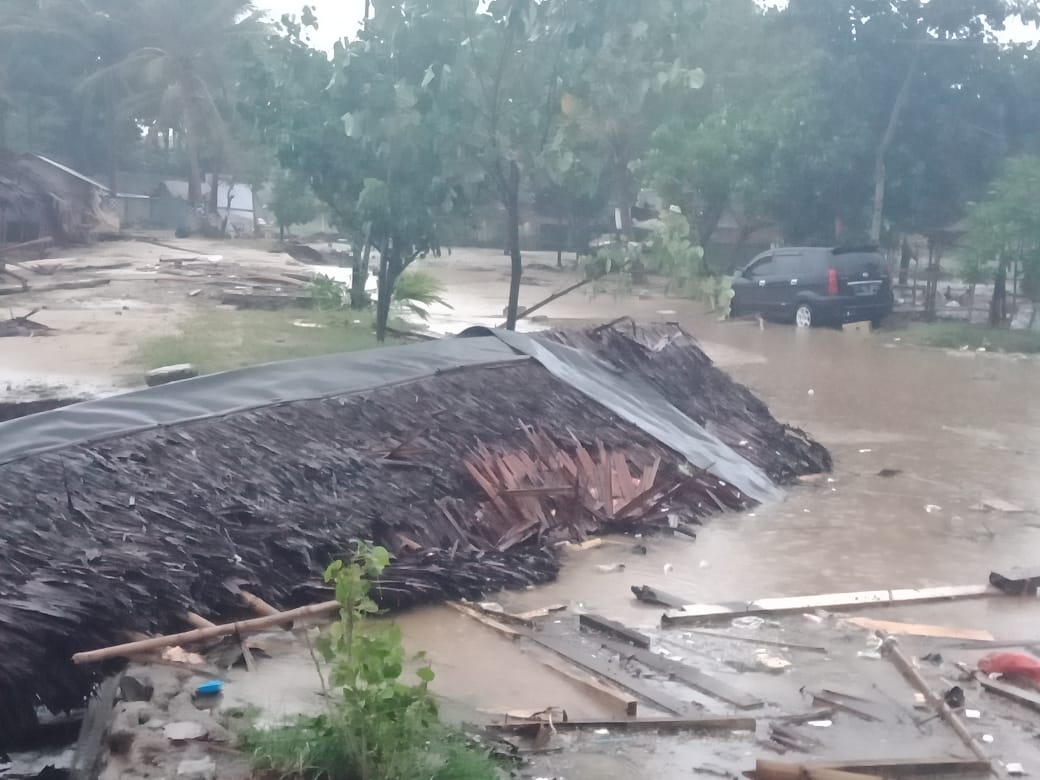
195 172
214 193
390 267
902 96
281 233
113 142
906 255
515 258
359 270
931 293
998 303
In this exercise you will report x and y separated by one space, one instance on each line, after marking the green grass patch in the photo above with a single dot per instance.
221 339
957 335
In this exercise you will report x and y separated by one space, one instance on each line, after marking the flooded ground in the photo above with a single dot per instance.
955 429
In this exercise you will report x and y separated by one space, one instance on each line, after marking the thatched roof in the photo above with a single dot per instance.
119 531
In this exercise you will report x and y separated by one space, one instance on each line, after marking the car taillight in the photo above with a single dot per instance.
832 282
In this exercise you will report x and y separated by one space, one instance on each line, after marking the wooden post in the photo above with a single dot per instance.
199 634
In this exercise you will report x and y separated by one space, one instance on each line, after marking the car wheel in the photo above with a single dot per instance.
803 316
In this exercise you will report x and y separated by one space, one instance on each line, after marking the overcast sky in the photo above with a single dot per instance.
338 18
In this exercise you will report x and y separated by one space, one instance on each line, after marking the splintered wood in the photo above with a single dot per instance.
547 491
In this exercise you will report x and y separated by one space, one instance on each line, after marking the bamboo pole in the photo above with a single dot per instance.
199 634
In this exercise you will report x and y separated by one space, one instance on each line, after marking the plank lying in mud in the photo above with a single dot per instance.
580 657
1024 697
659 598
885 767
688 675
614 629
642 724
699 613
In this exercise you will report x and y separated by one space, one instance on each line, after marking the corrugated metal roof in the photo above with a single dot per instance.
74 173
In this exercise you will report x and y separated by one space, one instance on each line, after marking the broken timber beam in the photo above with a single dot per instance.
482 617
642 724
688 675
782 770
700 613
581 658
200 634
614 629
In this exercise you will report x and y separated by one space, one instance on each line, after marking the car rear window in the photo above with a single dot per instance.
859 263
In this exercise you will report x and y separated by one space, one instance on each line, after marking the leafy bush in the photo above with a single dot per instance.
328 293
375 726
416 291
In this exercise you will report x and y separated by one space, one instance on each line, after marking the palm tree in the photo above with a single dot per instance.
177 72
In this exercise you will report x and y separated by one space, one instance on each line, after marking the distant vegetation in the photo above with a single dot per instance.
830 120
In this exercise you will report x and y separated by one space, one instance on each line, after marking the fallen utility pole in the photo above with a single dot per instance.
890 648
200 634
699 613
642 724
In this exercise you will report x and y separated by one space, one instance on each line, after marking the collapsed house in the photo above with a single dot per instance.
467 458
41 198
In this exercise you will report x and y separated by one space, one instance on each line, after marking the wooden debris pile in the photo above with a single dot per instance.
548 493
23 326
668 358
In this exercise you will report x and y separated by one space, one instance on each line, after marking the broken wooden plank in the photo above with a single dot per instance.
696 613
89 750
783 770
686 674
534 614
920 629
615 629
507 631
1023 696
581 657
74 284
626 701
649 595
903 767
641 724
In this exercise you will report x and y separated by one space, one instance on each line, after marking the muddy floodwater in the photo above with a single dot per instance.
955 430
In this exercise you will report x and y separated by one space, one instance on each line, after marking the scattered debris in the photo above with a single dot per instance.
1011 665
919 629
1016 582
932 508
23 326
1023 696
889 473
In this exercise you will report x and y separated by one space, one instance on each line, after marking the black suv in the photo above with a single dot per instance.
814 285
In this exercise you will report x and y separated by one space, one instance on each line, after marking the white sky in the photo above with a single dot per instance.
339 18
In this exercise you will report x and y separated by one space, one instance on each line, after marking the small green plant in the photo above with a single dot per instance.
416 291
375 726
328 293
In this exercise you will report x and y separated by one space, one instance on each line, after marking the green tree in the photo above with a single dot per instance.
1004 231
292 202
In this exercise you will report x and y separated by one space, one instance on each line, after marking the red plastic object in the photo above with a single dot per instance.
832 281
1011 664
